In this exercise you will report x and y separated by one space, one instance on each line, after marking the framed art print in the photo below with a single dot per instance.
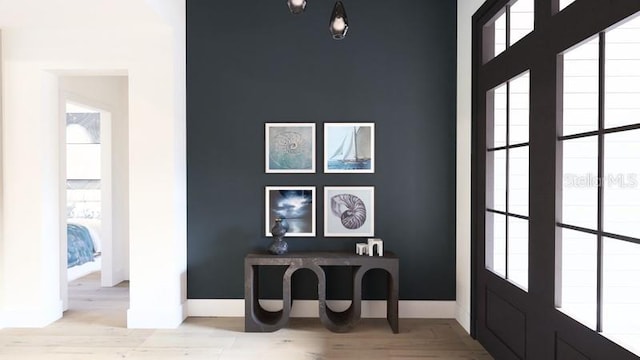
349 147
348 211
295 205
290 148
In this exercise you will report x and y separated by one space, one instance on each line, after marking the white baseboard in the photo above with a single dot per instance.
419 309
31 317
463 317
156 318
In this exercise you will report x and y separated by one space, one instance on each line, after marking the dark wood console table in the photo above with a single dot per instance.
258 319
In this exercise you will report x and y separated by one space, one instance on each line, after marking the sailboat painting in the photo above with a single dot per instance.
349 147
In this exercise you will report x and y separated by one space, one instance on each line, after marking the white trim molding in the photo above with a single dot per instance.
156 318
31 317
463 316
417 309
465 11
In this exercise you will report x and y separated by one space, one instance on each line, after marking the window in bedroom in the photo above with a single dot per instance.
83 190
83 162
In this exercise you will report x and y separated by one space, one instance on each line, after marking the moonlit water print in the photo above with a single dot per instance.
295 205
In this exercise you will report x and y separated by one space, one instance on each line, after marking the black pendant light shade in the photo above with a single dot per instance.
338 25
296 6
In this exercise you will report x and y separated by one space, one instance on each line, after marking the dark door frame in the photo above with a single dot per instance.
547 332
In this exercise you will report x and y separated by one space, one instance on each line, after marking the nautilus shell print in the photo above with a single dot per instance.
290 148
350 209
290 142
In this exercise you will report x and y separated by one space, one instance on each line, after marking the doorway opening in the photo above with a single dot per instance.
84 189
94 201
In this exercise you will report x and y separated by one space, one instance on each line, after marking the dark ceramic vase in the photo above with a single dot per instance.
278 245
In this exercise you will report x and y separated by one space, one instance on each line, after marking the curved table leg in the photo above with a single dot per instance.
257 319
344 321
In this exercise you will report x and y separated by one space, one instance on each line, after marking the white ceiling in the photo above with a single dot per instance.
84 13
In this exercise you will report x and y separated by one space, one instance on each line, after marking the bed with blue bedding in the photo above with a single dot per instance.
80 245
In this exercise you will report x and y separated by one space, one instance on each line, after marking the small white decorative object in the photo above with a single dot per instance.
372 244
362 248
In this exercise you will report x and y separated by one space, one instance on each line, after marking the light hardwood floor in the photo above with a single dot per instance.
95 328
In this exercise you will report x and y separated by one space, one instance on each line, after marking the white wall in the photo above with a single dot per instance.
33 57
154 60
174 13
466 8
30 173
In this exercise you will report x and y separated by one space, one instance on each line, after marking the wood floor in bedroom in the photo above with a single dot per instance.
95 328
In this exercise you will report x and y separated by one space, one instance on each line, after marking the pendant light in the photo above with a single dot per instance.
296 6
338 25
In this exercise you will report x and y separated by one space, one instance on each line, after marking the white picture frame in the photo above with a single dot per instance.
296 205
349 147
290 147
349 211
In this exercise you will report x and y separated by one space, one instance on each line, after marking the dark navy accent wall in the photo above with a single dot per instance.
251 62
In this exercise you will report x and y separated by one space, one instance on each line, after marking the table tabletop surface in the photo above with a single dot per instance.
316 254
